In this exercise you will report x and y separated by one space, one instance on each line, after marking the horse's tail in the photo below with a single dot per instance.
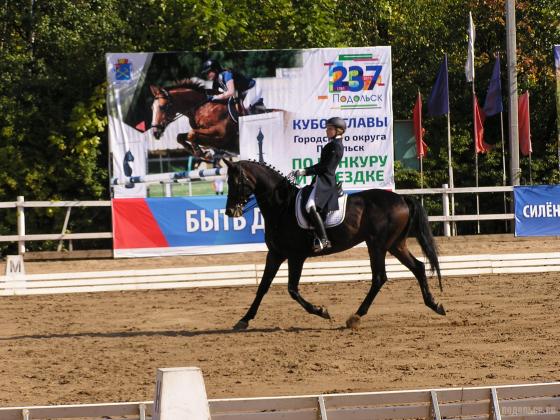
420 228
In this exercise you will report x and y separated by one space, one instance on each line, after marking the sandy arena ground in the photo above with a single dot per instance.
106 347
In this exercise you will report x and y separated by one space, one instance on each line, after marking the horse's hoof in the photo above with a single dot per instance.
440 309
241 325
354 321
324 313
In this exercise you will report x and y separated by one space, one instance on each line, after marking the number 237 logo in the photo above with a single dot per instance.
354 78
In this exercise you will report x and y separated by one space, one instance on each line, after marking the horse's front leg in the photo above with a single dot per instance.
295 266
273 263
183 140
208 137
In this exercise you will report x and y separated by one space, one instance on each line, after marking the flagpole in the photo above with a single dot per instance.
419 136
469 72
475 160
421 180
504 179
421 174
451 183
438 104
504 176
421 154
530 170
515 170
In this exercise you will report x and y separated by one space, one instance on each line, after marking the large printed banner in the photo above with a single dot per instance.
147 227
161 102
537 210
288 96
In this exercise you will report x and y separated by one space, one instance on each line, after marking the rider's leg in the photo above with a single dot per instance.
320 233
320 230
240 101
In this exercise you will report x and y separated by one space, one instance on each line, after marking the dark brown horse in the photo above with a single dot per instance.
211 123
383 219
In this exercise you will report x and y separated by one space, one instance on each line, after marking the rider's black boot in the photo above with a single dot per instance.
323 242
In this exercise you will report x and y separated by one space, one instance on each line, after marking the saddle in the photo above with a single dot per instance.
332 219
236 109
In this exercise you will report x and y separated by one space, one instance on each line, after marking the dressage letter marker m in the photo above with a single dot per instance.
180 395
14 265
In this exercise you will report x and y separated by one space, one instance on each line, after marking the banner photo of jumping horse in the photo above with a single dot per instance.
268 105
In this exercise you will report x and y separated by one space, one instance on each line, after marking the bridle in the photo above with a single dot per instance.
244 190
166 108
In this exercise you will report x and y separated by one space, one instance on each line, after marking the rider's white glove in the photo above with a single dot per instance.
298 172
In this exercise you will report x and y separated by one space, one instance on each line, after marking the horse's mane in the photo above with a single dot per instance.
283 193
289 180
189 84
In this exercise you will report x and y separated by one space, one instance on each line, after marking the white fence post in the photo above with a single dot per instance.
445 200
21 224
64 227
168 189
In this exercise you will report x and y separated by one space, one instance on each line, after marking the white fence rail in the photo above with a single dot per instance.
508 402
22 237
250 274
448 216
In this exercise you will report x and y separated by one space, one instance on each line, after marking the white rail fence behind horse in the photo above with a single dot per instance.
508 402
250 274
447 218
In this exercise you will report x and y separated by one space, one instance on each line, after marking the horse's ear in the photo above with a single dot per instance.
154 89
228 163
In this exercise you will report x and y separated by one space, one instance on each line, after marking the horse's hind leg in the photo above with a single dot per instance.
273 262
379 277
401 252
295 266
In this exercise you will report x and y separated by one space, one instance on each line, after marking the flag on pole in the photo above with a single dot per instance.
419 131
493 103
469 65
438 102
524 125
480 145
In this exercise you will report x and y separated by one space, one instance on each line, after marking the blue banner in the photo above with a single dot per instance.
183 226
201 221
537 210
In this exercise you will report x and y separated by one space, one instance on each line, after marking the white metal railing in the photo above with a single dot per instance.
528 401
447 218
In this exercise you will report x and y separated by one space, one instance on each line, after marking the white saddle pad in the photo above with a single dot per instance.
334 218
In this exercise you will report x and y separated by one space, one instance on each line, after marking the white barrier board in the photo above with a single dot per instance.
180 395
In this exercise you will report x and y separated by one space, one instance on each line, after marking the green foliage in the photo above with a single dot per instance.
53 128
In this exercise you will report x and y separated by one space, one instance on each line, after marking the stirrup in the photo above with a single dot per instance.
321 244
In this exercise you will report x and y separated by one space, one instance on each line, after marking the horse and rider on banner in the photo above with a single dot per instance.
213 114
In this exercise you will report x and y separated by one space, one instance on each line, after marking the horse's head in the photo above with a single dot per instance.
240 188
162 110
